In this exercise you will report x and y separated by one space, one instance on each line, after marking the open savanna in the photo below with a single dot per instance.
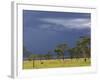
36 64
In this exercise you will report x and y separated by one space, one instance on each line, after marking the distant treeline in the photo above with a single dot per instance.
81 50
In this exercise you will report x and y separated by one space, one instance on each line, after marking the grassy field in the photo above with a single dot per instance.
55 63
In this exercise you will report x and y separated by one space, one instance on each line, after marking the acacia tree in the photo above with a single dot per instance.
48 55
33 57
72 52
62 49
84 45
59 53
26 53
40 57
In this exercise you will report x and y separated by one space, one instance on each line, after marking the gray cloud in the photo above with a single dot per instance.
76 23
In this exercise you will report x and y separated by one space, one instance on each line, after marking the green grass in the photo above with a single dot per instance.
56 63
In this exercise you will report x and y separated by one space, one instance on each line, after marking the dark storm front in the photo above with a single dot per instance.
57 38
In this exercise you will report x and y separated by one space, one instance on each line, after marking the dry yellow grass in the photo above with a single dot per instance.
56 63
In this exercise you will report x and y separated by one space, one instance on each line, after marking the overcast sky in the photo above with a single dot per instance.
44 30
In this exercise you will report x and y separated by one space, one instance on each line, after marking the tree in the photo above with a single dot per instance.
40 57
48 55
62 48
72 52
26 52
84 45
33 57
59 53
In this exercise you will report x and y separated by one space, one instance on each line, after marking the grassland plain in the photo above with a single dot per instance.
37 64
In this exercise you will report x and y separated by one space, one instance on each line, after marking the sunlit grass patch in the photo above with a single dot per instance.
55 63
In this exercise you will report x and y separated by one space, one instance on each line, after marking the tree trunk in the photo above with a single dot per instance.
33 63
63 56
84 55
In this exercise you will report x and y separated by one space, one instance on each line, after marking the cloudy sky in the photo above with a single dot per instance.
44 30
